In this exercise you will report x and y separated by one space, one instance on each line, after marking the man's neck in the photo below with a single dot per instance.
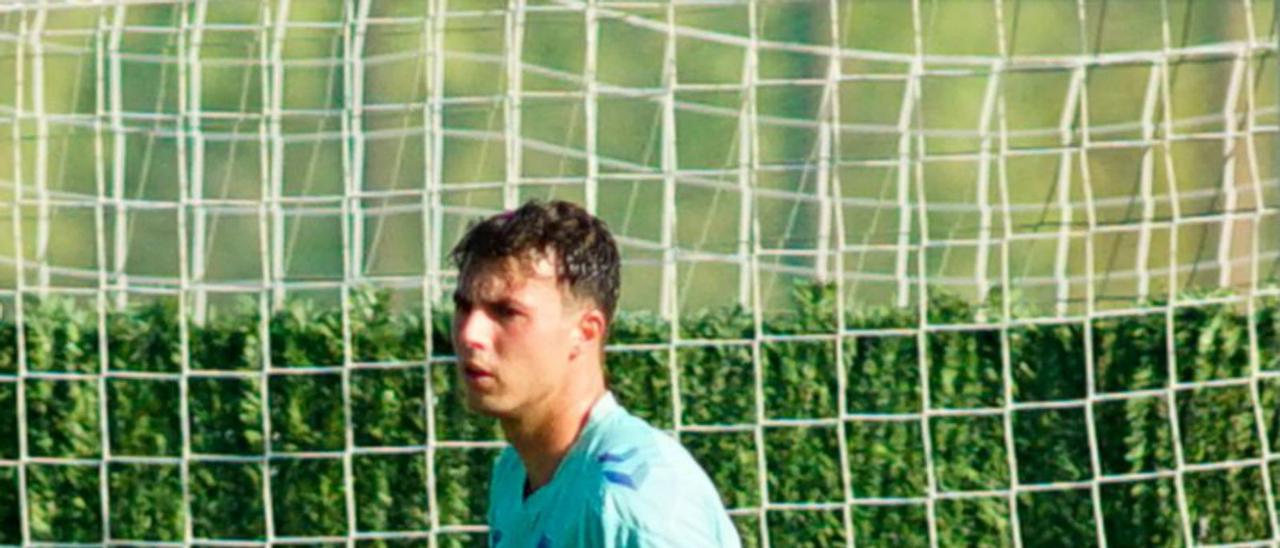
543 438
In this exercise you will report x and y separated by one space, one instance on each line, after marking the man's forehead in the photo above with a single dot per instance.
494 278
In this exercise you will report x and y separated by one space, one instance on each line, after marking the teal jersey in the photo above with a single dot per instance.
623 484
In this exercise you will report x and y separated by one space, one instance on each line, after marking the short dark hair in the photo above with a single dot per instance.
585 254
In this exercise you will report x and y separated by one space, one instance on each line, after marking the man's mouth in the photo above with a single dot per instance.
476 374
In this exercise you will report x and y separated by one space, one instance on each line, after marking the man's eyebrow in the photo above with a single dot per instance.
508 301
461 298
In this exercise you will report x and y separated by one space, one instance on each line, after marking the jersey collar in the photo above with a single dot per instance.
604 407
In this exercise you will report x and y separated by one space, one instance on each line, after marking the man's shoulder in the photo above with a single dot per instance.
504 478
629 453
647 481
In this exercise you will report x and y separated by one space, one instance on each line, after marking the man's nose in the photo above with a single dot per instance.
473 330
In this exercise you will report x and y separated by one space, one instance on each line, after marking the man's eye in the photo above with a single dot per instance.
503 311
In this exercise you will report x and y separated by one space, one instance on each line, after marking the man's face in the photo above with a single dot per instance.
514 335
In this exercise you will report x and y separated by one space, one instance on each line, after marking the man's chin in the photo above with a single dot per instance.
486 404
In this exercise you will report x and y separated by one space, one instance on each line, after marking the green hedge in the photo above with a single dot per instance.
886 457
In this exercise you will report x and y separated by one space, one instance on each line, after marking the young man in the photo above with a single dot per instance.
537 289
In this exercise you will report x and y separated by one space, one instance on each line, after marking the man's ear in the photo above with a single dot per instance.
590 329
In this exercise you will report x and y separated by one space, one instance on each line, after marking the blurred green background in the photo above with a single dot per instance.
329 124
289 149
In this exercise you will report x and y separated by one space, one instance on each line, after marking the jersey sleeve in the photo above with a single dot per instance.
634 537
608 528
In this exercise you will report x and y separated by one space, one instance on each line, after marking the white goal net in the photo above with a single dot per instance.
1001 269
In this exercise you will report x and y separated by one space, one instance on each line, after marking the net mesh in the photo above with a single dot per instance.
1099 172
